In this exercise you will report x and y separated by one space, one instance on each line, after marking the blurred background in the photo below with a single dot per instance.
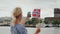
43 12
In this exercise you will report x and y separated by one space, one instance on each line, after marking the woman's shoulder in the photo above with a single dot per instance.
20 27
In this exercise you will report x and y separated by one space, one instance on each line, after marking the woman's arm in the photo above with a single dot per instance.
37 31
25 20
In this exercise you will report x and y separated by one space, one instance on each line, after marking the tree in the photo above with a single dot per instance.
56 22
34 21
28 22
45 22
40 21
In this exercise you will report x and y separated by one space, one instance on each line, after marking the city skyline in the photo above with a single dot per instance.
46 6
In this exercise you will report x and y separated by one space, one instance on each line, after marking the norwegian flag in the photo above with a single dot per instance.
36 13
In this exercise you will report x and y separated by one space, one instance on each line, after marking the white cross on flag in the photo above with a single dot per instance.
36 13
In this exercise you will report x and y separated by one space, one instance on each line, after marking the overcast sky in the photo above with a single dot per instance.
46 6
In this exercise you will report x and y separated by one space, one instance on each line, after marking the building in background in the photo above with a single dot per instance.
56 12
49 20
56 18
5 20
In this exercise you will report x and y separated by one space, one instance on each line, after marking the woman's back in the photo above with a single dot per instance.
18 29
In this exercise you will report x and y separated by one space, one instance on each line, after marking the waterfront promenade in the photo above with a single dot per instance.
51 30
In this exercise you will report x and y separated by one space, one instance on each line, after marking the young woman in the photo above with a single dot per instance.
17 26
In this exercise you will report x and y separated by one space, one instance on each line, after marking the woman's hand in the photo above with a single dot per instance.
38 30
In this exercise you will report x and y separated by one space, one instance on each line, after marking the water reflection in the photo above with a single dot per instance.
57 30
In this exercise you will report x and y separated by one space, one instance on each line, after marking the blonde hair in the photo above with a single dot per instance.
16 12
